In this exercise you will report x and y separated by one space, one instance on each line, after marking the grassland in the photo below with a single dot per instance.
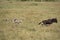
31 13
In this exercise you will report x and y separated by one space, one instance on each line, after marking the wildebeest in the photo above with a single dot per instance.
49 21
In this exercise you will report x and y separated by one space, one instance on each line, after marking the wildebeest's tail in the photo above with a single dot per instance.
40 23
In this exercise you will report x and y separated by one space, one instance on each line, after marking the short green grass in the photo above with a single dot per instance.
31 13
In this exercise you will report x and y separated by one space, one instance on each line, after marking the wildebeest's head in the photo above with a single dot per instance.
54 20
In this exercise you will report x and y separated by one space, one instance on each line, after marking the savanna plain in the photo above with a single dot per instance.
30 14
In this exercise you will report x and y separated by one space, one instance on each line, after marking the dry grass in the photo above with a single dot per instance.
31 13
